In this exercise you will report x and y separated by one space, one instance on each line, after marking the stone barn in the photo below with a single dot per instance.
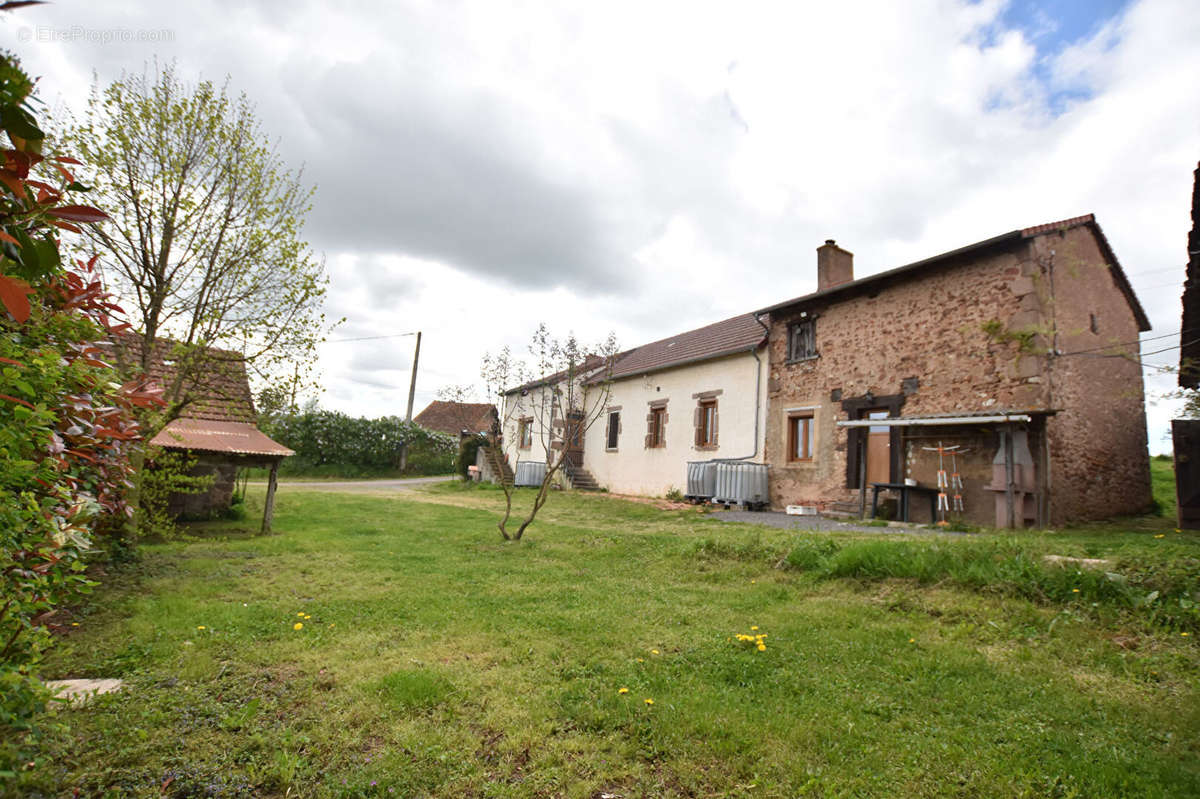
1017 355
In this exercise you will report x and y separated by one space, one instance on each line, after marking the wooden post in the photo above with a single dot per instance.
862 477
269 505
1010 510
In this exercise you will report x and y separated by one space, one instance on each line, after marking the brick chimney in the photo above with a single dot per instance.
835 266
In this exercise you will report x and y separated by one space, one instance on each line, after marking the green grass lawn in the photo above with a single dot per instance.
435 660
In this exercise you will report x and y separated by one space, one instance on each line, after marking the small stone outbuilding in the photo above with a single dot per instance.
214 422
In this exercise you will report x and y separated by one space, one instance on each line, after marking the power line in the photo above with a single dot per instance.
370 338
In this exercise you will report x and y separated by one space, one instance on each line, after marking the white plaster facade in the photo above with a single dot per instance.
739 382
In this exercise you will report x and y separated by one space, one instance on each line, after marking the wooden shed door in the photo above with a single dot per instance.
879 449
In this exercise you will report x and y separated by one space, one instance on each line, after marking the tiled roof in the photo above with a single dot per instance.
738 334
454 417
590 364
1003 240
237 438
216 389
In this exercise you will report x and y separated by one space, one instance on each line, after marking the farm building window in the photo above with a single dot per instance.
706 424
802 340
525 433
656 425
800 436
614 430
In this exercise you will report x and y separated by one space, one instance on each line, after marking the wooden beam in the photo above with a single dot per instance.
269 506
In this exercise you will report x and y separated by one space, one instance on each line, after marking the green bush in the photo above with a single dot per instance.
330 443
66 426
468 452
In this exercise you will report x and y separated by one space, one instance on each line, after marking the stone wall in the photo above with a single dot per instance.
215 500
1100 464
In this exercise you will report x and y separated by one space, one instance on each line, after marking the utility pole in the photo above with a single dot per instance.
412 387
412 393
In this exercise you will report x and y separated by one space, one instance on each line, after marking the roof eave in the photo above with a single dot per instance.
1002 240
685 362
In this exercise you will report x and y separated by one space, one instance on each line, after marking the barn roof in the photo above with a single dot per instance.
1005 240
215 388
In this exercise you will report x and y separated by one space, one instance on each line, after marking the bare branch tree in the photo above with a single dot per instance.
557 396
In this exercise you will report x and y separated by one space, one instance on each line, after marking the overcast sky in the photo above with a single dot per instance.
647 168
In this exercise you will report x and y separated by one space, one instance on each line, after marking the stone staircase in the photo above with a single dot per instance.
579 478
499 465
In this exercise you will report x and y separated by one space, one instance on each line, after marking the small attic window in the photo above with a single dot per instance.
1093 323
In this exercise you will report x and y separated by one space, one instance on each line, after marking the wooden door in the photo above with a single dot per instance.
879 449
574 438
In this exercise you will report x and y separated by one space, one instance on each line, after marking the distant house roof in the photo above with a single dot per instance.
738 334
971 250
207 435
218 389
454 417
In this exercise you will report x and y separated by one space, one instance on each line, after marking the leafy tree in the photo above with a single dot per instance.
562 391
205 235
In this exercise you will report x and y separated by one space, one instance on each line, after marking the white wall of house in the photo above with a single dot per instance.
634 468
533 405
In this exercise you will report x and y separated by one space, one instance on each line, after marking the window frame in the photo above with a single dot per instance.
525 433
706 423
612 433
798 420
809 322
656 435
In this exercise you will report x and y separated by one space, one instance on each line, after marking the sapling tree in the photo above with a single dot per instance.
554 397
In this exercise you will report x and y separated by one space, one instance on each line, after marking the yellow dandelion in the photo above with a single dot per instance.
912 640
653 651
1074 590
330 624
754 581
623 691
74 624
755 627
1161 535
649 701
762 647
1177 529
300 614
641 660
298 626
1185 635
201 627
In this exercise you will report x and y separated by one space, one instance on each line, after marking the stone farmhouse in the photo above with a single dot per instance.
1009 365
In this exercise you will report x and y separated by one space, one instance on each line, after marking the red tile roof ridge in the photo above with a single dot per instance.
1064 224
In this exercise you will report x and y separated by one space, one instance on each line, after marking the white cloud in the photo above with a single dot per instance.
648 168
